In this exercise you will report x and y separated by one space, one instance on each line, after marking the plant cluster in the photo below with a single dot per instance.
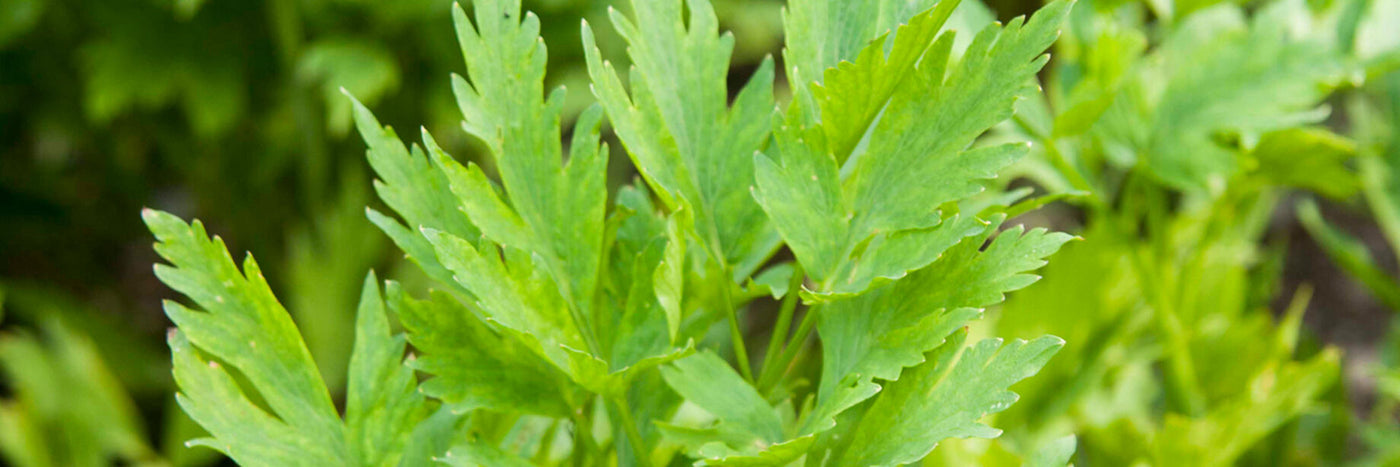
571 325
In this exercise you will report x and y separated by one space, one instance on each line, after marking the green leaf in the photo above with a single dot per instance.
1222 76
877 335
850 96
693 149
474 366
1278 394
746 422
475 454
243 326
68 408
944 398
382 402
129 68
362 68
19 18
823 33
877 218
555 210
21 438
1056 453
325 264
669 276
416 190
512 289
434 437
1107 59
1308 158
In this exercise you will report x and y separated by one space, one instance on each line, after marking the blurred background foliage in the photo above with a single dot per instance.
232 112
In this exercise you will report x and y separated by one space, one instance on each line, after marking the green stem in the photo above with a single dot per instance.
1183 389
735 334
1069 171
584 444
780 367
546 440
784 323
634 435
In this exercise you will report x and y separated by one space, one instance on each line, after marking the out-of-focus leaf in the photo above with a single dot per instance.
363 68
1308 158
68 407
1057 453
475 454
1273 397
326 263
136 69
1223 75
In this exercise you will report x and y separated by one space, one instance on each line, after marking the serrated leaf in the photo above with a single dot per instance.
382 402
693 149
877 335
244 326
877 218
513 290
823 33
555 209
850 96
411 186
944 398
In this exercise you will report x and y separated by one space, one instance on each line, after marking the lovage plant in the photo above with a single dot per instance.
575 325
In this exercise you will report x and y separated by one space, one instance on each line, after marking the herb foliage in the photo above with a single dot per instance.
575 325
